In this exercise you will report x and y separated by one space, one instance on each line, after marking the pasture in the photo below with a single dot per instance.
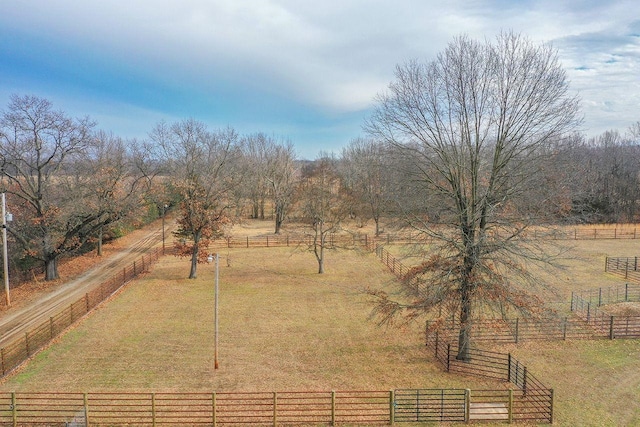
285 328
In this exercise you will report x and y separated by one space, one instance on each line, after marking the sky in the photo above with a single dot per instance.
298 70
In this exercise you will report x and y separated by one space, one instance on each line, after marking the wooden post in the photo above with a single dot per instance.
509 367
564 330
4 371
606 264
510 409
392 407
51 329
153 409
86 302
86 410
247 241
275 399
333 408
467 405
524 381
611 328
14 409
517 328
213 408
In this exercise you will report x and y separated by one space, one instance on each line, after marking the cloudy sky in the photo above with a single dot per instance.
303 70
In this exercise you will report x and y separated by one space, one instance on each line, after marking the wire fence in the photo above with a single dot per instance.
16 352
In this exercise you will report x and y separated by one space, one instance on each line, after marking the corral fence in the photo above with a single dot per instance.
16 352
516 330
532 401
276 408
626 267
591 306
369 241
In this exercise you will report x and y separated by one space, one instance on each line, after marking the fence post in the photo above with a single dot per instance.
510 409
611 328
153 409
626 269
606 263
213 408
2 355
467 405
571 300
275 396
14 409
599 297
51 327
509 367
626 292
437 343
551 406
564 330
392 407
517 328
448 356
333 408
86 300
86 410
26 341
588 311
524 381
247 241
124 275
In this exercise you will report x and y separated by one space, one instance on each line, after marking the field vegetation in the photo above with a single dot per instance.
285 327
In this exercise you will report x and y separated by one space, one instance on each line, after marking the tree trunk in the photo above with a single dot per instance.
279 214
321 255
100 242
193 273
51 268
377 221
464 335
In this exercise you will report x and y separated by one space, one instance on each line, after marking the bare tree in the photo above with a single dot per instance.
473 126
323 205
202 165
281 177
366 174
38 146
270 175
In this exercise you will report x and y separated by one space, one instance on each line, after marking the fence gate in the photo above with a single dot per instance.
424 405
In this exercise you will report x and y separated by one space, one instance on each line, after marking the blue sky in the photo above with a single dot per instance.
303 70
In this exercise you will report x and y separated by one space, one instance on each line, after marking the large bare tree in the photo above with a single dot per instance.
473 127
202 165
38 150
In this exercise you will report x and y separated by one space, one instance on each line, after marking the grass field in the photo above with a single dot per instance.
284 327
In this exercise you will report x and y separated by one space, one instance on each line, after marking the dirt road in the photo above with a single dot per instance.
14 324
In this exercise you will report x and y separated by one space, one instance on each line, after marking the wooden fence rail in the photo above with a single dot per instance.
275 408
16 352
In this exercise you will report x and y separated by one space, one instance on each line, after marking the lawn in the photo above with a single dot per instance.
284 327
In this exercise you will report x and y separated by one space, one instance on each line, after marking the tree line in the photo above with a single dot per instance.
469 149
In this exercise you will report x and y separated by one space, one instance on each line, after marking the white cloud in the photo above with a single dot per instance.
336 55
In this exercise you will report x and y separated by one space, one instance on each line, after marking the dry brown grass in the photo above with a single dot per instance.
284 327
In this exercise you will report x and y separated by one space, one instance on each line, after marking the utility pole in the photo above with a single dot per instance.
5 255
215 358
